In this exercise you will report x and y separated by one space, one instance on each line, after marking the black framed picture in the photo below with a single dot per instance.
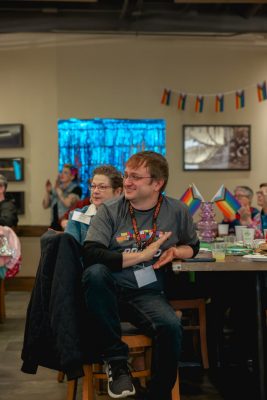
11 136
12 169
216 147
19 200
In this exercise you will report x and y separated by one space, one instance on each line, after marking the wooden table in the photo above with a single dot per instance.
239 264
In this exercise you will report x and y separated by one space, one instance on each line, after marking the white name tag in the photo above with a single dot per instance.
145 276
80 217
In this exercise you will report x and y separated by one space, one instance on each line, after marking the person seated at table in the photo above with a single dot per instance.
8 209
261 218
63 195
246 214
106 184
131 242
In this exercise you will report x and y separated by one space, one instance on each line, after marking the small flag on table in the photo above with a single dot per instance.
262 92
166 97
192 198
240 99
182 101
226 202
199 104
219 103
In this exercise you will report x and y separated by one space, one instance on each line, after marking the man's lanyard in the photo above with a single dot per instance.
140 245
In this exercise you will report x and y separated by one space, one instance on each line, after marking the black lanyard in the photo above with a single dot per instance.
141 245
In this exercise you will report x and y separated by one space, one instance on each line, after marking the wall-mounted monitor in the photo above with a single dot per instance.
11 136
12 169
216 147
19 200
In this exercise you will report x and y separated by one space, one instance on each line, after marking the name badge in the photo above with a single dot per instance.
145 276
80 217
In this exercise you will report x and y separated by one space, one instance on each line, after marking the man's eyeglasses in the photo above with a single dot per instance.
134 177
101 188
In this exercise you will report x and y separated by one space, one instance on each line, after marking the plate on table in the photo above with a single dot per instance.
256 257
235 251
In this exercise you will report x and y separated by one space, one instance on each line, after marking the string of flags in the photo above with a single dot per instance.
219 99
224 200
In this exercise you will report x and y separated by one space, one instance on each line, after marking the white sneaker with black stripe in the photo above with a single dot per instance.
120 383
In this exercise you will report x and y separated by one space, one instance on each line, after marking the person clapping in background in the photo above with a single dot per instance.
63 195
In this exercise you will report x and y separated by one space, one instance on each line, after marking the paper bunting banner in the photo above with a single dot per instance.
262 92
226 202
192 198
182 102
219 103
166 97
240 99
199 104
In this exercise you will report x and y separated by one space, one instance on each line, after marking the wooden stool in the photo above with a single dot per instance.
134 341
2 301
200 305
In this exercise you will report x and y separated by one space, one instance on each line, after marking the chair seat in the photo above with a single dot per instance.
128 329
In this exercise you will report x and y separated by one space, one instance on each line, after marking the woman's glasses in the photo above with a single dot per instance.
101 188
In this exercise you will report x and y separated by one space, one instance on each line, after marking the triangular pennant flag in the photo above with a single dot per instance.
199 105
219 103
192 198
240 99
262 92
182 101
226 202
166 97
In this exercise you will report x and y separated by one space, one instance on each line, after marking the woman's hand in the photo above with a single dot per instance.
48 186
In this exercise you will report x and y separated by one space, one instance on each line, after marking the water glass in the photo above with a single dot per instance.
238 232
229 241
218 251
248 237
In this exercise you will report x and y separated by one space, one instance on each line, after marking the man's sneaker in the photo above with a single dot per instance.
119 379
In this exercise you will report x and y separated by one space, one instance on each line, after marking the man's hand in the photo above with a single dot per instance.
173 252
148 253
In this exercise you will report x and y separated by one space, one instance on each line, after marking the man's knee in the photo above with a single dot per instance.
173 327
95 275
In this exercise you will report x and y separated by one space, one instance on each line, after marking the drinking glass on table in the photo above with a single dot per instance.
248 237
229 241
218 250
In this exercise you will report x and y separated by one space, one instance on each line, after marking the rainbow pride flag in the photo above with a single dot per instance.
240 99
199 105
182 101
166 97
192 198
226 202
262 91
219 103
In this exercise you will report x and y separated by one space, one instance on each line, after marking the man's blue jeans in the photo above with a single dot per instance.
108 304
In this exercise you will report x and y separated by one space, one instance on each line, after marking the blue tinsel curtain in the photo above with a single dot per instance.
90 143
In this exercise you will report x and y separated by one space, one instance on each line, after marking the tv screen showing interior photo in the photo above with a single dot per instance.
216 147
12 169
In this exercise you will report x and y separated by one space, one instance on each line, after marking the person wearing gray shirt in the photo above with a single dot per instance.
130 244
